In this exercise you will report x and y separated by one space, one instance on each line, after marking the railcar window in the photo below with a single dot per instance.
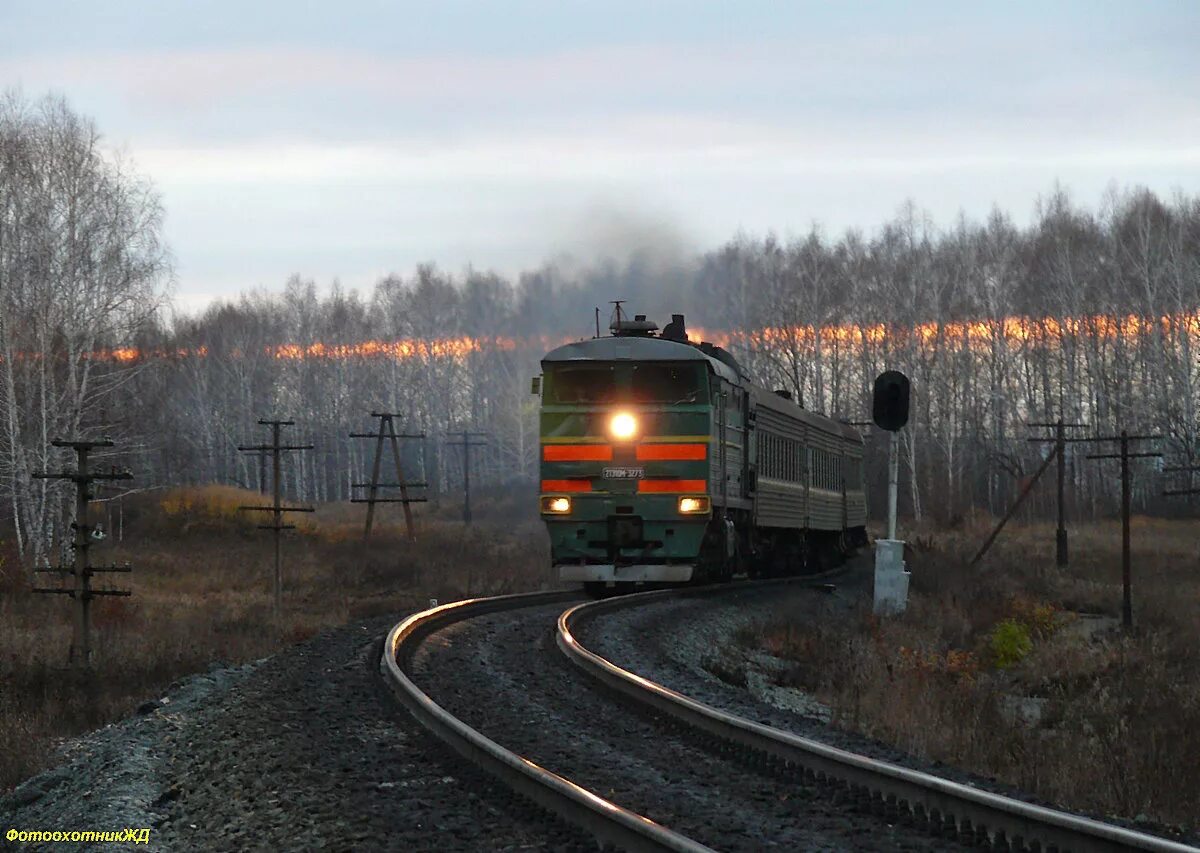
583 384
668 383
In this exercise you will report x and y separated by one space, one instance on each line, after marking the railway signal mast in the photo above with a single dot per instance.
889 411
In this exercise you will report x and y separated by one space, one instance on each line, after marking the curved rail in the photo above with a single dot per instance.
947 806
607 821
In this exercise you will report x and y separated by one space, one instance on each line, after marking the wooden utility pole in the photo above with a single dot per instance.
1124 455
276 448
1060 451
81 590
387 430
469 439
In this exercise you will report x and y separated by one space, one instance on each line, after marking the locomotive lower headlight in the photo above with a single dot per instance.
691 506
623 425
556 506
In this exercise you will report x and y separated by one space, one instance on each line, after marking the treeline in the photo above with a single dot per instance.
1088 315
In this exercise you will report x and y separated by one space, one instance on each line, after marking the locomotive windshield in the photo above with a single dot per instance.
641 382
659 382
592 383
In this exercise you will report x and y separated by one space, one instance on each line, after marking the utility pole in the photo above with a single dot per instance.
469 439
1060 451
387 430
81 590
276 448
1124 455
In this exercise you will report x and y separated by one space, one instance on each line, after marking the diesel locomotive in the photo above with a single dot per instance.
662 463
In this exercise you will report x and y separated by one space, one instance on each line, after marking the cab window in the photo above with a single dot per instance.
590 383
673 384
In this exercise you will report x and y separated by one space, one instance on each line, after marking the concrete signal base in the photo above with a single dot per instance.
891 579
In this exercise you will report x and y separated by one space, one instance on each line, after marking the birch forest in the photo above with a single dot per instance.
1088 313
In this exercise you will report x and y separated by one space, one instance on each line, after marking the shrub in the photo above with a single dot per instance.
1009 643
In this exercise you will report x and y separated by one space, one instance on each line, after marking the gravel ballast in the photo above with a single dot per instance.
503 674
305 750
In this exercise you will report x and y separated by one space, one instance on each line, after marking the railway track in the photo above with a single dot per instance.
952 813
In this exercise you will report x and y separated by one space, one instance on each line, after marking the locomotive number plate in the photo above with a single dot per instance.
624 473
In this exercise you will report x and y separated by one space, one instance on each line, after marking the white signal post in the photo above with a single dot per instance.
893 480
890 412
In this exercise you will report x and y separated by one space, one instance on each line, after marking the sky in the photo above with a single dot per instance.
350 140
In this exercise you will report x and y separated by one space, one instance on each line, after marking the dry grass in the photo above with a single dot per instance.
202 595
1119 725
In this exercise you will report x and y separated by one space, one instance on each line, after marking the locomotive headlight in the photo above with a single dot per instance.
556 506
623 425
691 506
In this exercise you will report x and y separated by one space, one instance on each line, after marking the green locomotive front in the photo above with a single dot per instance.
661 463
627 431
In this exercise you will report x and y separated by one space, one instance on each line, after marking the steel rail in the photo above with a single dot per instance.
946 806
608 822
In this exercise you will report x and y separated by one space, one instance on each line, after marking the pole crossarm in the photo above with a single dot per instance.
1125 456
398 435
81 476
82 445
1119 438
278 508
84 596
270 448
389 500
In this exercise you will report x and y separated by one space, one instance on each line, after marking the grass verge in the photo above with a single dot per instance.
1020 671
202 596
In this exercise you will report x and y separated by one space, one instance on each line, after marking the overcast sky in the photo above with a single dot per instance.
352 139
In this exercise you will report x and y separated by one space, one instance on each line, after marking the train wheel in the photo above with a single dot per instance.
595 589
